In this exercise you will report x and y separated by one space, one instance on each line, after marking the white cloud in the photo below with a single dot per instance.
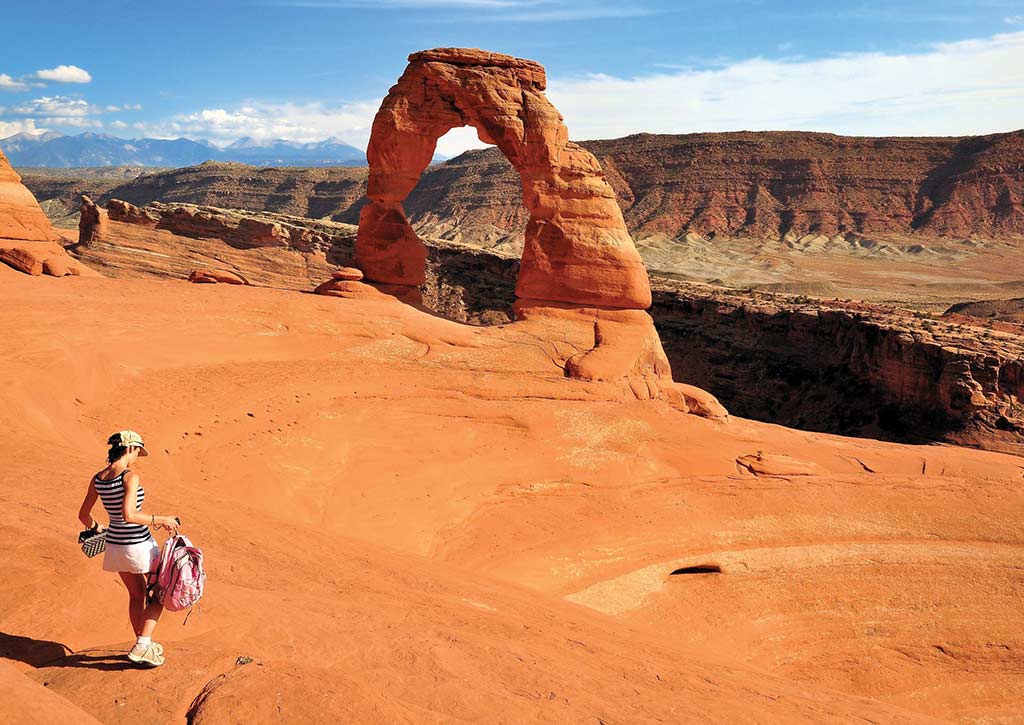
118 124
58 106
10 84
265 121
303 122
74 121
9 128
1014 20
59 111
960 88
125 107
64 74
966 87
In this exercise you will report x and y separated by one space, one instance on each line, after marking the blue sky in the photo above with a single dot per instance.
308 69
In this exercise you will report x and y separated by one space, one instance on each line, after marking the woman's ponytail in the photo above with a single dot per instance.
116 449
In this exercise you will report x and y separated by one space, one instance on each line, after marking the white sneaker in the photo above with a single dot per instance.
151 655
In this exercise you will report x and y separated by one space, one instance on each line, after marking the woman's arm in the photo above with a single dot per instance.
134 516
85 512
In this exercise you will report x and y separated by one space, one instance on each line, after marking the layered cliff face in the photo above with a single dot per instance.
242 230
287 252
771 185
314 193
853 369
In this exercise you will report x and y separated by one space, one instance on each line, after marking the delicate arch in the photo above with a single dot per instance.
577 249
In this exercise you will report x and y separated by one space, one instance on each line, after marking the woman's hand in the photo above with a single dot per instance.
168 522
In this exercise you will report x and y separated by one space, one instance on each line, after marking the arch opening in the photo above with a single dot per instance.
455 200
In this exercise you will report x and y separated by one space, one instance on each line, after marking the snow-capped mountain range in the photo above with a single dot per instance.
94 149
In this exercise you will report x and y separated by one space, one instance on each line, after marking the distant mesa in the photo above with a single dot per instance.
881 197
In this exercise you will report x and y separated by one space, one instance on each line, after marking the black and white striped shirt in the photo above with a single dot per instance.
112 495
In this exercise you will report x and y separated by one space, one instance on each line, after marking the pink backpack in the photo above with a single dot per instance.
179 576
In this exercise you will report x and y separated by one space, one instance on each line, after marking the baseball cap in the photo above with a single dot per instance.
129 438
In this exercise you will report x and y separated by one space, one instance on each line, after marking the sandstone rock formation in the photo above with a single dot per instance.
22 260
334 192
579 269
350 274
463 283
20 215
128 213
577 248
92 222
27 241
41 258
215 276
240 229
138 250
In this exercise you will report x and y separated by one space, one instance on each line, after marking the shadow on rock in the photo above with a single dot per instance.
43 653
108 660
35 652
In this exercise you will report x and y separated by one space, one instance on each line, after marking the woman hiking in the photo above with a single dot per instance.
131 550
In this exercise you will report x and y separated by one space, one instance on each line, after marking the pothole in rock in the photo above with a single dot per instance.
698 569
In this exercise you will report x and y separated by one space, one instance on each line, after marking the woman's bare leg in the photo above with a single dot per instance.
150 616
136 586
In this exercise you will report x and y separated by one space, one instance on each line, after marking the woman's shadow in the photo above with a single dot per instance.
43 653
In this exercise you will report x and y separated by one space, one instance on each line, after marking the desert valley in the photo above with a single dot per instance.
714 427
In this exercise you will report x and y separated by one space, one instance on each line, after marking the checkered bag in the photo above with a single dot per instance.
93 542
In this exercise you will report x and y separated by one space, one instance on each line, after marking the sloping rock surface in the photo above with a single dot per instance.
20 215
463 489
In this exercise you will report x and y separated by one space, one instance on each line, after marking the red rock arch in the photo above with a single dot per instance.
577 249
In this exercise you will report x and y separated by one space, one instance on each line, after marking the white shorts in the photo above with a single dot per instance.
134 558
